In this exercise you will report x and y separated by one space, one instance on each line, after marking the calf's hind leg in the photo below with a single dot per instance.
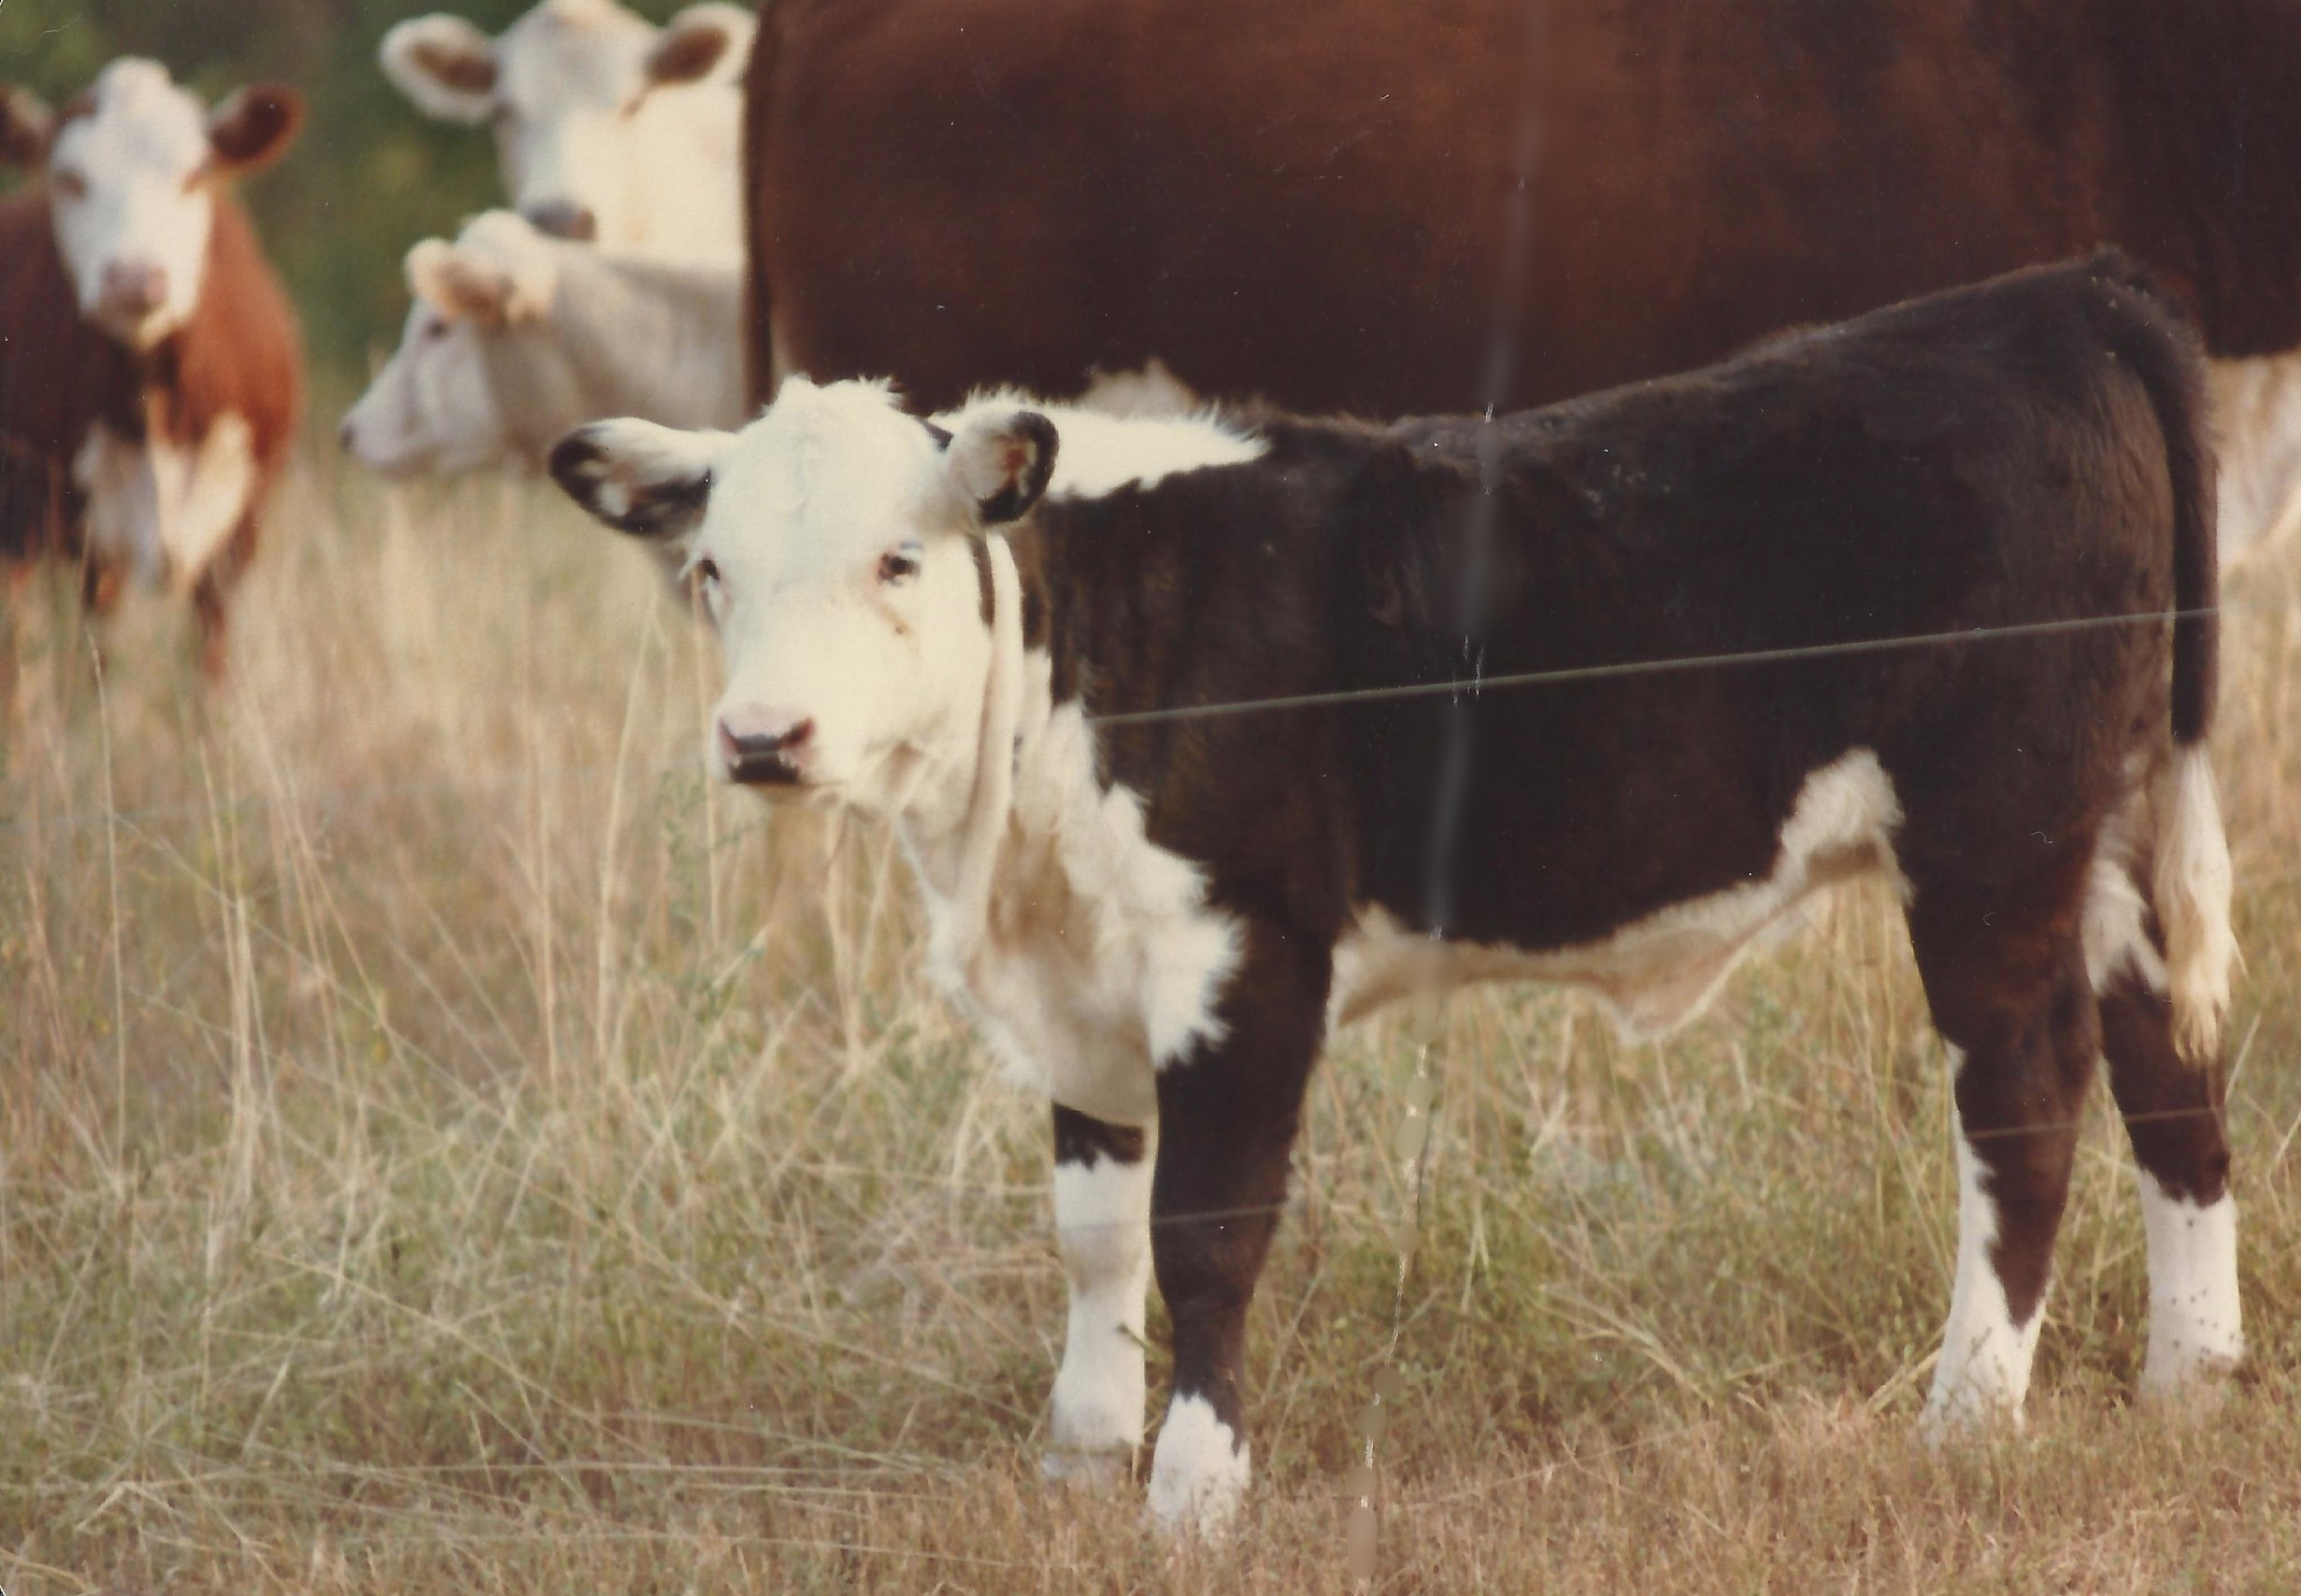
1102 1217
2173 1115
2006 978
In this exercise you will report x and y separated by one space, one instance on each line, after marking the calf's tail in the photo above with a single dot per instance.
2191 879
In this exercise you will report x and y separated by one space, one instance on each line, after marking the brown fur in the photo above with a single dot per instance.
1308 201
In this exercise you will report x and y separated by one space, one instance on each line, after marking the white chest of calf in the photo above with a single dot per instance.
1099 961
164 506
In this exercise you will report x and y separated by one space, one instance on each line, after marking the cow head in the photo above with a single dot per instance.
133 166
834 542
607 128
435 406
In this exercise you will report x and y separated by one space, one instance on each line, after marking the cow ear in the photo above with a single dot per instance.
446 65
254 127
649 481
26 126
459 284
1002 464
704 44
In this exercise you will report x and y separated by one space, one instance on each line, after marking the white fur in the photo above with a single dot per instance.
1104 450
1983 1370
2192 885
578 122
575 333
2196 1327
2256 406
1657 974
164 509
2115 924
136 156
1200 1472
1102 1216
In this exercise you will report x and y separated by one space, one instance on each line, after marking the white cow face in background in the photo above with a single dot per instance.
133 166
607 128
435 408
834 540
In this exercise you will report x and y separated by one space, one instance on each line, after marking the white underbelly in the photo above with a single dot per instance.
1654 974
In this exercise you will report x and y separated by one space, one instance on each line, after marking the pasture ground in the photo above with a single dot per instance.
435 1155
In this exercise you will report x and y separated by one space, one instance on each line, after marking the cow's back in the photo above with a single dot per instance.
1308 203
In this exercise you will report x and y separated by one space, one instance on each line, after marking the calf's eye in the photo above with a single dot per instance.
706 573
899 564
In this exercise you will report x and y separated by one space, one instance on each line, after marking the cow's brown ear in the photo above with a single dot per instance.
254 127
444 64
26 126
1002 463
707 43
649 481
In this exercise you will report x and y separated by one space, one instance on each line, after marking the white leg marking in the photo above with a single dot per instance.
1199 1474
1983 1372
1103 1228
2196 1330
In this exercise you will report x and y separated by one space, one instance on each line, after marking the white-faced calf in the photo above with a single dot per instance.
515 337
1156 921
153 375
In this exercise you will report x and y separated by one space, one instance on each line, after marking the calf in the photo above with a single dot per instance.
608 127
1024 635
515 337
151 369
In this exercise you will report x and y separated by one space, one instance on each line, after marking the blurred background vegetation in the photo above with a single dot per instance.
369 177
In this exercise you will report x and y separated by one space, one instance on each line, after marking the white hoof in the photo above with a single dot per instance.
1200 1472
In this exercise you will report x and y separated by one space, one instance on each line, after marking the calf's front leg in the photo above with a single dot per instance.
1228 1118
1102 1219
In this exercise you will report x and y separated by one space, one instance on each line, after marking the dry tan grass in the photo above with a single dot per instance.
420 1170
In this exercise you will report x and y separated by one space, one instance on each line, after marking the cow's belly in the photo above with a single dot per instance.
1656 973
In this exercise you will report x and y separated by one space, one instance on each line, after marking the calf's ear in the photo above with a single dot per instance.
26 125
254 127
446 65
704 44
1002 464
649 481
466 284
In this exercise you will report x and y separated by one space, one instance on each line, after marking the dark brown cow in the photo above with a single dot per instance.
1307 201
151 372
1942 540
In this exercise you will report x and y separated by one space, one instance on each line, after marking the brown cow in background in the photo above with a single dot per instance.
150 368
1308 202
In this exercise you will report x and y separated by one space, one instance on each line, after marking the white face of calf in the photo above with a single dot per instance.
133 166
607 128
834 541
434 407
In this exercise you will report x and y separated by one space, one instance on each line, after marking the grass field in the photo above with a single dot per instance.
441 1152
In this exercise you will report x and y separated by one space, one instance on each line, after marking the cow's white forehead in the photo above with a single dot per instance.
826 477
140 120
585 51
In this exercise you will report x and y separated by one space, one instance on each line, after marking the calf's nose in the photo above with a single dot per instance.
135 288
763 746
564 219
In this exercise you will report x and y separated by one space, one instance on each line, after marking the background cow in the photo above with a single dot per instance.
1310 202
608 128
153 372
515 338
948 625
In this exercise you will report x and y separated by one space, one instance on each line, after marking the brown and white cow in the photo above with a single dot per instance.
515 337
1310 202
608 127
150 368
961 626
